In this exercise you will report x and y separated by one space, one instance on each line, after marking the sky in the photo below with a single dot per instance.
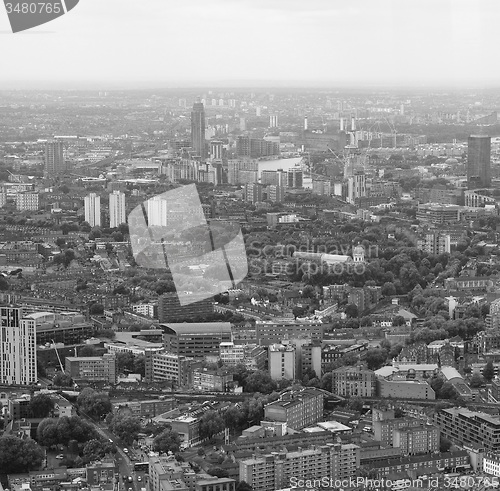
170 43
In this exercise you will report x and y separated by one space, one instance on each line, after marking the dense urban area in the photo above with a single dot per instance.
237 290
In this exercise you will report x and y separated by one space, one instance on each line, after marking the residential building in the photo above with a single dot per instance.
100 474
282 359
353 381
216 484
274 331
212 380
295 178
463 426
491 464
196 340
92 368
54 158
17 347
27 201
356 187
164 366
416 440
93 210
279 470
117 211
198 129
297 409
254 192
171 310
398 386
435 243
438 214
478 161
383 429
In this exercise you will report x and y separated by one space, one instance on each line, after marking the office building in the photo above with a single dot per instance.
478 161
353 381
117 211
297 409
195 339
462 426
198 129
216 150
279 470
273 121
171 310
274 177
416 440
27 201
17 347
93 210
283 361
255 147
92 368
54 158
161 366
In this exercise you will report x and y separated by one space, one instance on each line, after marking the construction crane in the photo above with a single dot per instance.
58 357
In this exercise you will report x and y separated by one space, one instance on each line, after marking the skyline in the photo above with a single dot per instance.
168 44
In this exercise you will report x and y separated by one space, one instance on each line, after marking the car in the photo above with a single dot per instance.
130 479
139 478
60 456
125 450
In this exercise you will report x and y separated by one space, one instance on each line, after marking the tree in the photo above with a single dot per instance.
62 380
260 381
96 449
211 423
444 445
243 486
4 284
476 380
41 406
88 350
351 311
233 418
19 455
126 428
125 362
218 472
140 365
399 413
355 403
167 441
489 371
399 320
375 358
96 309
95 404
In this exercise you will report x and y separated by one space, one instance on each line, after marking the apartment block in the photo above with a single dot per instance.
164 366
383 430
353 381
27 201
416 440
171 310
212 380
463 426
281 469
297 409
283 361
274 331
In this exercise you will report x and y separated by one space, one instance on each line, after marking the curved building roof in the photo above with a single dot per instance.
179 328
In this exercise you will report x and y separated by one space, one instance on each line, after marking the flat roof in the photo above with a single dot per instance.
197 327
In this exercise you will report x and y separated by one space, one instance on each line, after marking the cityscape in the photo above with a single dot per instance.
248 281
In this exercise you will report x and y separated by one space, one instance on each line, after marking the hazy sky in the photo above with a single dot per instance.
111 43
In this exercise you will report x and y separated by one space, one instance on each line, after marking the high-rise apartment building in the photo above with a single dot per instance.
117 213
17 347
279 470
198 129
478 161
295 178
273 121
54 158
283 361
93 210
356 187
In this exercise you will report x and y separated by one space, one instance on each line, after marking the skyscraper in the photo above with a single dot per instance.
117 214
198 129
93 210
273 121
54 158
478 161
17 347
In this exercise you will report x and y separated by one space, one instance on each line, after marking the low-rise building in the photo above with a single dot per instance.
92 368
349 381
212 380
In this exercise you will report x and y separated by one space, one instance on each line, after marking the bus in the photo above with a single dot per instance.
141 467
